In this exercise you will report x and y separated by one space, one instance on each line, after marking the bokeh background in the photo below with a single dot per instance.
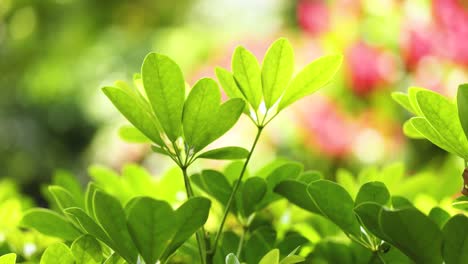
56 54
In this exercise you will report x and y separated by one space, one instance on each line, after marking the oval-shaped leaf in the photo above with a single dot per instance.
439 216
214 184
190 216
111 216
455 247
443 116
135 113
232 259
49 223
375 192
62 197
413 233
57 253
225 153
261 241
430 133
462 103
226 79
133 135
165 87
151 225
253 191
403 100
201 104
247 75
296 193
271 257
87 250
310 79
336 204
277 69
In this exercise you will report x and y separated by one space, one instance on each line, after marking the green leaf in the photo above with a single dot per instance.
225 153
253 191
133 135
114 259
296 193
412 91
271 257
368 213
111 216
232 259
49 223
277 69
455 247
261 241
129 105
87 250
413 233
461 203
336 204
57 253
462 103
439 216
443 116
89 198
190 216
201 104
403 100
226 79
62 197
310 79
410 131
247 75
165 87
89 225
310 176
8 258
151 225
373 192
427 130
226 117
214 184
400 202
292 259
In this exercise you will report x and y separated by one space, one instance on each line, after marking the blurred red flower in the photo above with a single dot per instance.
313 16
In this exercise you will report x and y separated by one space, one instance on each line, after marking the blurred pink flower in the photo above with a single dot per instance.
417 44
313 16
368 68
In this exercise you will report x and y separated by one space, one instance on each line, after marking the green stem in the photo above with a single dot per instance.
200 233
233 194
241 241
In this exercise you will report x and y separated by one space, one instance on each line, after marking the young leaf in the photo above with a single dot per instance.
57 253
410 131
412 91
443 116
226 79
271 257
49 223
225 153
400 202
461 203
135 113
8 258
336 204
214 184
462 103
455 247
151 225
247 75
190 216
133 135
226 117
403 100
277 69
427 130
296 193
232 259
165 87
87 250
201 104
253 191
413 233
111 216
375 192
89 198
310 79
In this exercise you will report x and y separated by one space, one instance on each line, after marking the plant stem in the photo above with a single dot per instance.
241 241
200 233
233 194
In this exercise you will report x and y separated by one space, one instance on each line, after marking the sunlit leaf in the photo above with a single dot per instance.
49 223
462 103
133 135
271 257
165 87
247 75
225 153
57 253
277 69
8 258
87 250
